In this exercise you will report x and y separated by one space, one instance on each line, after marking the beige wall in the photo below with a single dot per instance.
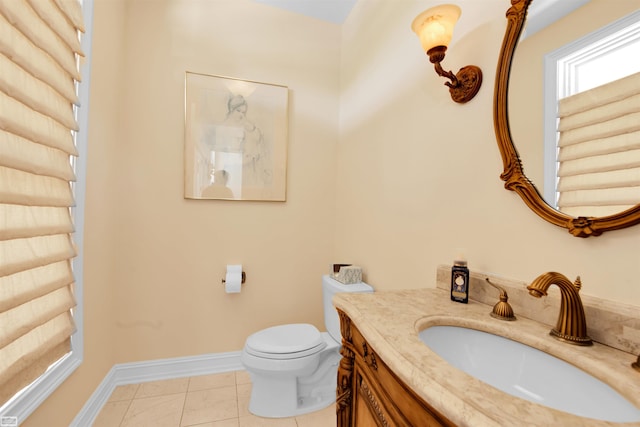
419 174
172 253
154 261
384 171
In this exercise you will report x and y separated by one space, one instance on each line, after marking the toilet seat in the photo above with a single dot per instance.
286 342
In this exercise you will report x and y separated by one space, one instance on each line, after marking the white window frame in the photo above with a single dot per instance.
560 69
28 399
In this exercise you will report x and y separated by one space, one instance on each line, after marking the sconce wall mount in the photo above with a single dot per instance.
434 27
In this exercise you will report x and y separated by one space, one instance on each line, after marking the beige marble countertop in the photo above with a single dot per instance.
391 321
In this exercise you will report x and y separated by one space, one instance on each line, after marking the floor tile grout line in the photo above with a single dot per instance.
235 380
124 415
239 380
125 412
184 402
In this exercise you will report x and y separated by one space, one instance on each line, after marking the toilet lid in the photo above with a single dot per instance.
286 341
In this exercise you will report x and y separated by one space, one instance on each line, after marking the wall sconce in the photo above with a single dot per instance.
434 27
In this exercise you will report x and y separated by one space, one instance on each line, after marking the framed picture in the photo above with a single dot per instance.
235 139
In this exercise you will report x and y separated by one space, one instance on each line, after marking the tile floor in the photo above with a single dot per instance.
219 400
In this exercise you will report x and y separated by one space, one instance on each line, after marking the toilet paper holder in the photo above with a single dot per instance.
244 278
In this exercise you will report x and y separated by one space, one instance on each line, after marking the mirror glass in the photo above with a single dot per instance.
551 26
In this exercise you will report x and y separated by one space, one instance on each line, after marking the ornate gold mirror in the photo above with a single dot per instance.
513 174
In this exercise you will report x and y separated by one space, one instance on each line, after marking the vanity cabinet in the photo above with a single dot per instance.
369 394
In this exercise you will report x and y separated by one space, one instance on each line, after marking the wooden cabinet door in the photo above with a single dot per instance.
370 406
369 394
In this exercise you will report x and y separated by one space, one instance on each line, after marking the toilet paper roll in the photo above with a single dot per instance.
233 279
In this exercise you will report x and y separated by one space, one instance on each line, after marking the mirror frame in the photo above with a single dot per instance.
513 174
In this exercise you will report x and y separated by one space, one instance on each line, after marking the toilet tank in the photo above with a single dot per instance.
330 287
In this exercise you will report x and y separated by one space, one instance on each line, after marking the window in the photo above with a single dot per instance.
591 64
43 121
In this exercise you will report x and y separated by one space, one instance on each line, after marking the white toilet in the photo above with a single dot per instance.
294 367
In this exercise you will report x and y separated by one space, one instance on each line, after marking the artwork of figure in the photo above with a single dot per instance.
256 166
235 139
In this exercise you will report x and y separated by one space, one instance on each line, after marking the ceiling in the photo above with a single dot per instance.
335 11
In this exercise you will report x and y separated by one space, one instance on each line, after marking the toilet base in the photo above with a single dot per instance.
275 398
274 395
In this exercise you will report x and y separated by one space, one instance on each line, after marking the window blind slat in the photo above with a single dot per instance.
27 156
23 286
601 95
600 197
625 124
613 144
19 221
22 188
600 114
23 254
24 18
608 162
34 93
49 12
22 319
21 120
14 45
595 210
26 359
610 179
72 9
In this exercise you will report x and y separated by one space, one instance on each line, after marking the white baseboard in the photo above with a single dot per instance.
154 370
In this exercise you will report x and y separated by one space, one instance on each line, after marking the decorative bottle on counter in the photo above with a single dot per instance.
460 281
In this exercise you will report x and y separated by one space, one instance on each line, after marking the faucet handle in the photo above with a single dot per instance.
502 310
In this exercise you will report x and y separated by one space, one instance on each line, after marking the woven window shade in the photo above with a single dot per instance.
599 156
39 49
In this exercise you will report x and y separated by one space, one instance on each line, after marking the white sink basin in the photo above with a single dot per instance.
528 373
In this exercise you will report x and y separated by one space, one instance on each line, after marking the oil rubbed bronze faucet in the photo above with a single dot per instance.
571 326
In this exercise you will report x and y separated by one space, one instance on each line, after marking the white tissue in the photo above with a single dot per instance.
233 279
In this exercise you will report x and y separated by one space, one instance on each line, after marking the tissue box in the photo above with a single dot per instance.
348 274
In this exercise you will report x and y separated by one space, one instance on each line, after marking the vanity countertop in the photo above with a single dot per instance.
390 322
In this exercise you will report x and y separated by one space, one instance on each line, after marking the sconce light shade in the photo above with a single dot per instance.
434 26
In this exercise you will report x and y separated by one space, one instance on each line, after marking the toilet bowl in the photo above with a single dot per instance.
294 367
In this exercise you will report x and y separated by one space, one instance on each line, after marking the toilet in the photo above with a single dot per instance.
294 367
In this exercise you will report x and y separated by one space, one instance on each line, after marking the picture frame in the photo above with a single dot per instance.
235 139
